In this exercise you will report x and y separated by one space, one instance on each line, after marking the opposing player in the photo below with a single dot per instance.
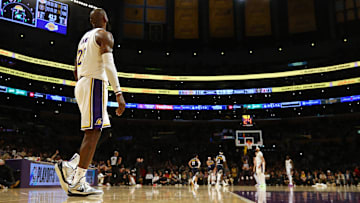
195 164
289 165
260 167
211 166
94 67
220 163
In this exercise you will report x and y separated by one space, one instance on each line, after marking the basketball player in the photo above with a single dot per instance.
254 170
195 164
211 166
289 166
260 167
94 67
220 162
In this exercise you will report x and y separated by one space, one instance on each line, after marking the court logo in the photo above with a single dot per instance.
51 27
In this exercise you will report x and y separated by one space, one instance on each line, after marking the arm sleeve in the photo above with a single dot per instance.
111 73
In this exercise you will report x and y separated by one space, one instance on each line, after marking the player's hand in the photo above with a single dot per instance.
121 101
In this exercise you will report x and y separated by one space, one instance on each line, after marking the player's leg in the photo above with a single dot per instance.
92 107
256 179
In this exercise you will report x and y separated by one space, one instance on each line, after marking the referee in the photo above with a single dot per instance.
114 163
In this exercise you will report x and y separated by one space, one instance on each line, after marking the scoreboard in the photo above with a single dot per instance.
44 14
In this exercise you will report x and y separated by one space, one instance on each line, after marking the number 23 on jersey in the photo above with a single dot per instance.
80 56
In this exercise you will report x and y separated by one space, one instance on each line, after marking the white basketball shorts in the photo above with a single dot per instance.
92 98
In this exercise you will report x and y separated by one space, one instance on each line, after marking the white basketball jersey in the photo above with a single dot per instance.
88 60
288 164
258 158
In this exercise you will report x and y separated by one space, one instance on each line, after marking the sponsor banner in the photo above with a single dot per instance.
185 78
337 83
45 175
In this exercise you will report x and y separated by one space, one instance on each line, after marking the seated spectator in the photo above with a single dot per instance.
355 179
164 180
155 179
309 179
7 179
322 178
174 178
348 177
330 178
303 178
148 178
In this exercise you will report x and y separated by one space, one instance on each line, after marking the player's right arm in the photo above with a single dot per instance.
190 164
106 42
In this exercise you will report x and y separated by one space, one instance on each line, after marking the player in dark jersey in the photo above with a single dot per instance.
195 164
220 162
211 166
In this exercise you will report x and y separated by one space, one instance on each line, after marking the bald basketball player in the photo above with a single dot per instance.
94 68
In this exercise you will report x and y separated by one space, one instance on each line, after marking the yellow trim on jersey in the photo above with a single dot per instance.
91 92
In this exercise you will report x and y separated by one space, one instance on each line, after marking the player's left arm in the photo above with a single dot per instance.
199 163
106 41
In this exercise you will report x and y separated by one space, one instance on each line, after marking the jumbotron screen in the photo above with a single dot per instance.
44 14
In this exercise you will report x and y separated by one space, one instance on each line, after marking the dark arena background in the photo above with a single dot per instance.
198 77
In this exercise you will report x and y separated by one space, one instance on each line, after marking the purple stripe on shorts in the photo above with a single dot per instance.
97 104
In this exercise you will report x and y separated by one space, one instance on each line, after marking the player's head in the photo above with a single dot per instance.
287 157
257 149
98 18
209 158
196 155
221 152
116 153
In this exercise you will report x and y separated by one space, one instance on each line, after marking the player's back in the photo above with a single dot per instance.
194 162
288 163
220 159
88 60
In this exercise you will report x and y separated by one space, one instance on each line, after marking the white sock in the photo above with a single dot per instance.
290 179
79 173
193 179
218 178
74 161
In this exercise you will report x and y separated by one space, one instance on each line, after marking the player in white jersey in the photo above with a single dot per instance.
260 167
289 166
254 170
94 68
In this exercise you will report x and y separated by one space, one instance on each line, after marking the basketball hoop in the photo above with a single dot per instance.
249 145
